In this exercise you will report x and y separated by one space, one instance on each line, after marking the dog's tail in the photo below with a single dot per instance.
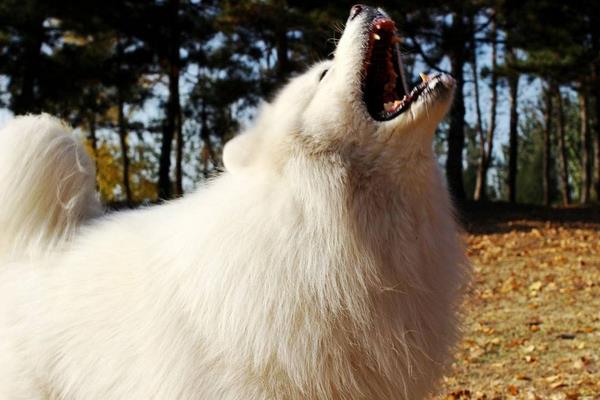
47 186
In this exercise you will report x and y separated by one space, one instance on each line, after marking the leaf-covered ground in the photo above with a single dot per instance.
532 313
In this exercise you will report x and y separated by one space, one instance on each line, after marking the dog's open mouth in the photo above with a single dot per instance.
384 87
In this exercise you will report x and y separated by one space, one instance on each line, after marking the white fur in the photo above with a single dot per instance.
47 185
325 264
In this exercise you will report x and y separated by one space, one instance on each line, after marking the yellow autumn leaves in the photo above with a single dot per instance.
532 326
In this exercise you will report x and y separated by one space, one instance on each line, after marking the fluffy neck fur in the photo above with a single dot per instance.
353 257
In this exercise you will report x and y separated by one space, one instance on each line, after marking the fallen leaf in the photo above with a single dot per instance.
522 377
513 390
557 385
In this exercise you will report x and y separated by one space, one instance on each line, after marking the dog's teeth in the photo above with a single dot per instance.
424 77
376 36
391 106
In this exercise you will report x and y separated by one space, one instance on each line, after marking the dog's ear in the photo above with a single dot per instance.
239 151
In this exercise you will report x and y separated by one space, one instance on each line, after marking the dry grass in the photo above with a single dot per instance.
532 325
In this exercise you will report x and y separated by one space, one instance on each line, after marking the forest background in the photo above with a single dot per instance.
155 88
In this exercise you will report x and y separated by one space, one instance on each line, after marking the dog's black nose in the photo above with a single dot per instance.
355 10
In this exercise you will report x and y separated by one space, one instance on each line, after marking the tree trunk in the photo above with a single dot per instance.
283 62
178 142
456 134
562 148
165 191
208 153
479 193
92 136
486 149
124 147
547 141
281 44
121 123
173 126
596 88
586 162
25 100
597 136
513 146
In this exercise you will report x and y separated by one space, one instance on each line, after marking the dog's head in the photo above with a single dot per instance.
358 102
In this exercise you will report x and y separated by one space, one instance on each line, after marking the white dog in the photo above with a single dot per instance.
324 264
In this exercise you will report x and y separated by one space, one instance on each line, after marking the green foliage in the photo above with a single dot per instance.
529 180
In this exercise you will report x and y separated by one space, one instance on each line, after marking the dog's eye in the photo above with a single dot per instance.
323 75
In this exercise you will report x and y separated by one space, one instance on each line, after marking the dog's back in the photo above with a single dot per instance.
47 186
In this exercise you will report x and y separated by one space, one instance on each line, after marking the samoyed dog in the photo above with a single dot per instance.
324 264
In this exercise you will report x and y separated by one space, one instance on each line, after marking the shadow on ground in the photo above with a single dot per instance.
505 217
